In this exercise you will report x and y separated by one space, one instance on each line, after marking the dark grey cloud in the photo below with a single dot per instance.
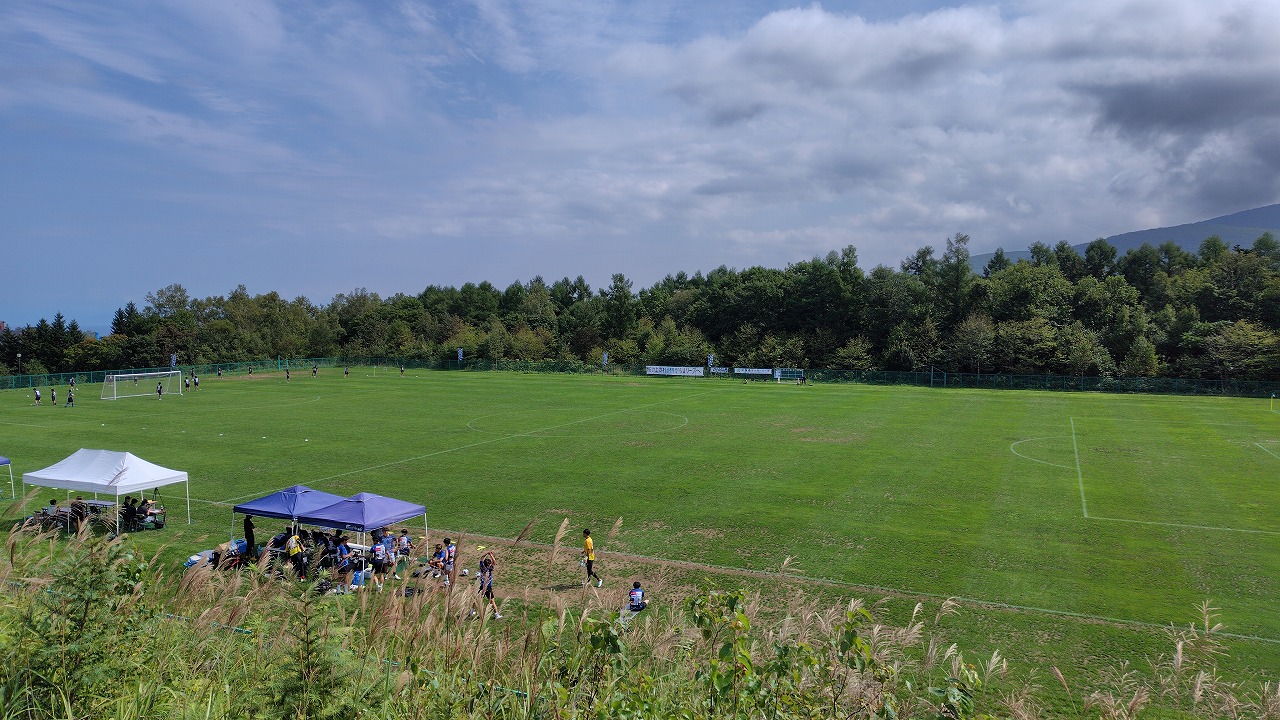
1195 103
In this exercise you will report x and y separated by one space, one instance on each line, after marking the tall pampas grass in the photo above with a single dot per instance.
555 544
528 529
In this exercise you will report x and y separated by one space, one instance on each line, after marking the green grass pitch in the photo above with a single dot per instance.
1132 508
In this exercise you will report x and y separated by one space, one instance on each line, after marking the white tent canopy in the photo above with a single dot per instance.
107 472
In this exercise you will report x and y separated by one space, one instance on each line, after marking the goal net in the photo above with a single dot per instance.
123 385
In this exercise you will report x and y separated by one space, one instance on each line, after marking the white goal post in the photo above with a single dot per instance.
123 385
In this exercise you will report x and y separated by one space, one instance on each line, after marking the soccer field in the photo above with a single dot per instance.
1129 508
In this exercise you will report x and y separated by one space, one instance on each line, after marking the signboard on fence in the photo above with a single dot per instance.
753 371
673 370
719 371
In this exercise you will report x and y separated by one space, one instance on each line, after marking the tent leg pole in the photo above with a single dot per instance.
188 484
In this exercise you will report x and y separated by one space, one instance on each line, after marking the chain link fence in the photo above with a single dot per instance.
926 378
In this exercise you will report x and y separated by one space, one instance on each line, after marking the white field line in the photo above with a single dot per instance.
1264 449
1075 447
1170 422
1012 445
19 424
1190 527
468 446
684 421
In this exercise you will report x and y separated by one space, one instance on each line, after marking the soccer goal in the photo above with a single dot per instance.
123 385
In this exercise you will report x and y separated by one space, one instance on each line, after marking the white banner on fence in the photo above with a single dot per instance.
719 371
753 371
671 370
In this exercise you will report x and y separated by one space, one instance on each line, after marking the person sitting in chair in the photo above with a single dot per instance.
129 514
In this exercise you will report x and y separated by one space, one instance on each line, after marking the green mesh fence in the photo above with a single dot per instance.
935 378
1074 383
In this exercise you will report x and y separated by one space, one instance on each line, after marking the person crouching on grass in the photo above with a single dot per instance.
635 599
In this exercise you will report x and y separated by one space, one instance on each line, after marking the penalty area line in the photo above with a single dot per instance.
1189 527
1264 449
1075 447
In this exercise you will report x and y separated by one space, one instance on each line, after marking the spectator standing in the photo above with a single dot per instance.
380 559
589 555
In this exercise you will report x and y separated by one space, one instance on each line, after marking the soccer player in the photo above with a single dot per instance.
450 556
346 372
71 399
186 383
401 369
487 566
380 559
437 561
404 548
315 370
37 397
589 554
286 374
53 397
160 391
195 380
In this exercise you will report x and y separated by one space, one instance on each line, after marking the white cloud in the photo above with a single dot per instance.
605 138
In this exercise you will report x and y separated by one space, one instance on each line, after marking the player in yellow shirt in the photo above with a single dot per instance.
589 556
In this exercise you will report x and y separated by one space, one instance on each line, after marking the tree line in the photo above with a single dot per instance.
1153 311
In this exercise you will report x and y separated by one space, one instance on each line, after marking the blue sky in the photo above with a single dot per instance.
316 147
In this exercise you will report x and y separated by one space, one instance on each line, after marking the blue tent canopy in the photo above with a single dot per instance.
362 512
290 503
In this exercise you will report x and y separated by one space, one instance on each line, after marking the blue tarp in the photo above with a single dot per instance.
4 461
288 503
362 513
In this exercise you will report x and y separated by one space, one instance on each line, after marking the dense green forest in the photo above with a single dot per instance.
1154 311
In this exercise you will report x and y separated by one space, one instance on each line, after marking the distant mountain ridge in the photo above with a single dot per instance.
1240 228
